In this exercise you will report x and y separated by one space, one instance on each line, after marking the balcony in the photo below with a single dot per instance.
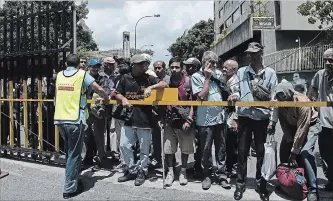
296 60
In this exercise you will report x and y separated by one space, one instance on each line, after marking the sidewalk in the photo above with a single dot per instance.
29 181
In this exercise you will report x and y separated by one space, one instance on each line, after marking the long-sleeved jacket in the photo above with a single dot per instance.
296 121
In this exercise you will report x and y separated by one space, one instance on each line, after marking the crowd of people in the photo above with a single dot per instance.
135 130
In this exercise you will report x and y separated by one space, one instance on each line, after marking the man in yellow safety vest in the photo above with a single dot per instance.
70 117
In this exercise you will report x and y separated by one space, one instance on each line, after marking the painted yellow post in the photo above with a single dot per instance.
40 115
25 114
56 138
11 115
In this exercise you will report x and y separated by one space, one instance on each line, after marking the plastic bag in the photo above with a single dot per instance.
270 159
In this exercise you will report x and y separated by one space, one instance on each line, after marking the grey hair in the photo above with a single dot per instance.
328 52
208 55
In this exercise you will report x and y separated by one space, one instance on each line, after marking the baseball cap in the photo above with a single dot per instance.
254 47
138 58
147 56
94 62
192 61
109 60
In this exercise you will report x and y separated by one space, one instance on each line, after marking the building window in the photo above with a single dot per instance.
228 22
236 14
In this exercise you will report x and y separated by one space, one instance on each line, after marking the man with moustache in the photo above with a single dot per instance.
256 83
322 90
229 69
192 65
178 128
210 120
97 120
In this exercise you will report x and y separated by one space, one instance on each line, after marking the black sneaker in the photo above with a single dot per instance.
79 190
127 177
206 183
239 192
140 178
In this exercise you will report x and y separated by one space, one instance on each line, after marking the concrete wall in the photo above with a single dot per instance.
241 34
291 20
268 40
287 39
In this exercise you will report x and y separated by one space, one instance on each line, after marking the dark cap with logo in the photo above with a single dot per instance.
254 47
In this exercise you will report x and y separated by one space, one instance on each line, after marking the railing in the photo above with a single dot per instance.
292 60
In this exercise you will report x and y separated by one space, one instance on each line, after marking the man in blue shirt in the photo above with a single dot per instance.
210 119
256 83
73 131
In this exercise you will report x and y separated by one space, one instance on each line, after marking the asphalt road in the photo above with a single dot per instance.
30 181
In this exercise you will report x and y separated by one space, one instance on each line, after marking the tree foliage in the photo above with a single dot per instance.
195 42
138 51
321 11
13 9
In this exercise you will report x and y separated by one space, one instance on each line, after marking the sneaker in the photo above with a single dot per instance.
169 179
312 197
127 177
182 178
206 183
140 178
80 189
327 187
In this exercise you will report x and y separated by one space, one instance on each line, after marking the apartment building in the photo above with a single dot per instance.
275 24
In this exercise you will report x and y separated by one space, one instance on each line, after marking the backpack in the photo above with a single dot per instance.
292 181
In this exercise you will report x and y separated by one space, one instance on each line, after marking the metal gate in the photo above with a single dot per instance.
32 48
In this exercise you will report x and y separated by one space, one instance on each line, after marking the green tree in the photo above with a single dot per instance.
195 42
319 11
12 9
138 51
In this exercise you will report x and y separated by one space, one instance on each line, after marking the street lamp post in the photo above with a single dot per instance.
156 15
298 40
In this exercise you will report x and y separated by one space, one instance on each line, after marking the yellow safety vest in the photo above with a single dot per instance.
68 96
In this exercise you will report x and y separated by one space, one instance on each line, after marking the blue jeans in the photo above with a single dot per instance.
73 135
128 140
307 158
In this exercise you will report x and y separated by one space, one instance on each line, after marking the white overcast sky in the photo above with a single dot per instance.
109 18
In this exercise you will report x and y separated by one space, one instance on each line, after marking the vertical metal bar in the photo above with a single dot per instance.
49 74
18 84
5 89
10 86
73 32
1 87
55 62
33 71
56 140
40 81
25 84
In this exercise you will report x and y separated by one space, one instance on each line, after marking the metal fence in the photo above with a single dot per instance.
297 59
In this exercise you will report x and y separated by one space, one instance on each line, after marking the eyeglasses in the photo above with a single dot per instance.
158 68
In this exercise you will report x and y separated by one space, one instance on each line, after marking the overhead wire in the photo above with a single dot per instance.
265 66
